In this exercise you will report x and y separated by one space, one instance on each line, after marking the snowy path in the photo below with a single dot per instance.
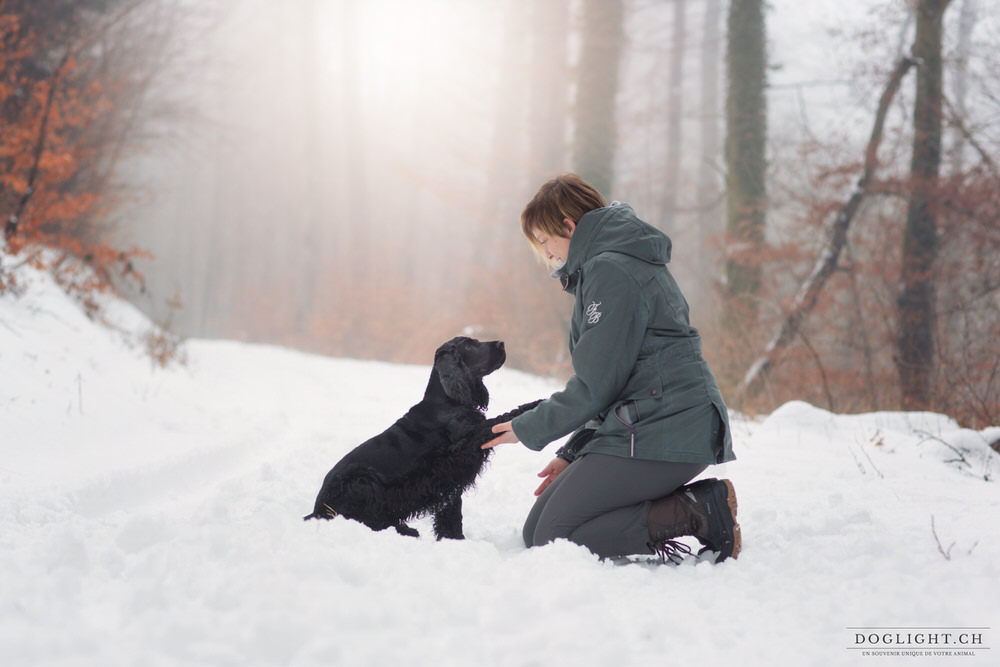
153 517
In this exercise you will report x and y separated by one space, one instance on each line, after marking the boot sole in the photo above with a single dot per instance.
737 533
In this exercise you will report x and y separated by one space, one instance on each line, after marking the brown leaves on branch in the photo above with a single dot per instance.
51 97
828 335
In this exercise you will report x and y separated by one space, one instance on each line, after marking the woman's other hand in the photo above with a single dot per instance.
550 472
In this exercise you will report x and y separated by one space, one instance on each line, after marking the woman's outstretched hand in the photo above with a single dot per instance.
506 432
550 472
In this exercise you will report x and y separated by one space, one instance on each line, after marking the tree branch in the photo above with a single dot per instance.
809 291
959 124
945 553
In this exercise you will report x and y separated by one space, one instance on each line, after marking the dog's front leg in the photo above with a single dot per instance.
506 417
448 520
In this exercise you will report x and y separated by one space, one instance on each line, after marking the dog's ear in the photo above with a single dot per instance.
453 373
457 380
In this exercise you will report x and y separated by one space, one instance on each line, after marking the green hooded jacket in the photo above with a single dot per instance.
640 386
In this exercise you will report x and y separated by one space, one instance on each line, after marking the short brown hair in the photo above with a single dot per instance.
565 196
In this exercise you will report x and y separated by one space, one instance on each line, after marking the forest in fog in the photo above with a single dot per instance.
356 181
347 177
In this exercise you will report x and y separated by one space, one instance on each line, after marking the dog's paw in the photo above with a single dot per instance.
451 536
403 529
326 512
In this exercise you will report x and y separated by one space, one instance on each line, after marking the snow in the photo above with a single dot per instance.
153 516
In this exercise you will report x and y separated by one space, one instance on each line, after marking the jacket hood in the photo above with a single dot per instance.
614 228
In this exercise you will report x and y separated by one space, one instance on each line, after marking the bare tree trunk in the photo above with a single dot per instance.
357 181
810 290
550 93
596 136
675 109
746 143
915 305
216 301
504 176
960 82
709 218
311 240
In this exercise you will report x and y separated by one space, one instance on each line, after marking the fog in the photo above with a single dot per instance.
352 177
332 183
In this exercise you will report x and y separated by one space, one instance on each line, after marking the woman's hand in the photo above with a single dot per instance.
506 431
550 472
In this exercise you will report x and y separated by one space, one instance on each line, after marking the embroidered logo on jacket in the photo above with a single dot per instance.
593 315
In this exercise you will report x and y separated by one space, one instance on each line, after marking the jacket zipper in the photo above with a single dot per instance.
622 415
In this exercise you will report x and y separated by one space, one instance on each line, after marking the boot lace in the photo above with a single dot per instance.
671 550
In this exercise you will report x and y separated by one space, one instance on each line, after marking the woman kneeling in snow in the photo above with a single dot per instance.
645 411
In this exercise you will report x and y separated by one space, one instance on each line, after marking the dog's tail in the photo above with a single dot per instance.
310 516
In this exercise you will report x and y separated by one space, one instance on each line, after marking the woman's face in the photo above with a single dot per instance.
556 248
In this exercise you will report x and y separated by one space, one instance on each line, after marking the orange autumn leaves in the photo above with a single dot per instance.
54 186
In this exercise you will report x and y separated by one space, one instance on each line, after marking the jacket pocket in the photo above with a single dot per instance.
627 412
642 403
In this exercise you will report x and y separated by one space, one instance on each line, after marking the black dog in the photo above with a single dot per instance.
425 461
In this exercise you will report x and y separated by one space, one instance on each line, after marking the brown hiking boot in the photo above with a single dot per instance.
705 510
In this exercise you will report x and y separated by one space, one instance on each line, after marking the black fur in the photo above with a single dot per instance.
424 462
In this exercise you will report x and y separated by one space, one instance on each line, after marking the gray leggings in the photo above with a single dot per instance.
602 502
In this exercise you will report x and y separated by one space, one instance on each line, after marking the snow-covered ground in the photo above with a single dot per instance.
153 516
